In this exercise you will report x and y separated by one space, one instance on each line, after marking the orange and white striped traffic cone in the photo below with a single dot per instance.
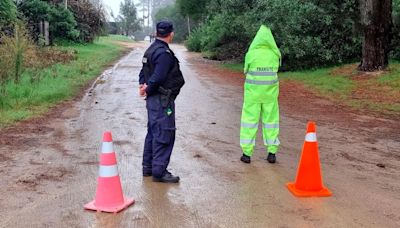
309 179
109 196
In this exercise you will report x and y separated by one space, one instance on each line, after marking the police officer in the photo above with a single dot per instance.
160 82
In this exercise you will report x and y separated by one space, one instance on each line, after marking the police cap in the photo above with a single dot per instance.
164 28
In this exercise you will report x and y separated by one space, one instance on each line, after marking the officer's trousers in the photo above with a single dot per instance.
160 136
251 113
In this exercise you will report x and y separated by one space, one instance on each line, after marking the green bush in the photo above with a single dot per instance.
33 12
7 12
225 34
313 33
13 52
81 22
225 37
63 24
310 33
193 43
90 20
172 14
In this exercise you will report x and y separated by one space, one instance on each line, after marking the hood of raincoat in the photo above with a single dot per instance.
263 51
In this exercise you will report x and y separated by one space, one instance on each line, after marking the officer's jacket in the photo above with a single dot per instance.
161 68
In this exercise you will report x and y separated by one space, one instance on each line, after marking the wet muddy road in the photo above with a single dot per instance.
49 168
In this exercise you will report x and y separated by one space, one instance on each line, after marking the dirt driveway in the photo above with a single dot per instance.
49 166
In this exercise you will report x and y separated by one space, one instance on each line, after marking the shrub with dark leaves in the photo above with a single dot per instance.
91 19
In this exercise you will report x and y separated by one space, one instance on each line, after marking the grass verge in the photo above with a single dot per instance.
233 66
59 82
378 92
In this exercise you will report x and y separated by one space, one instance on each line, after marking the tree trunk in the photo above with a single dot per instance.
188 24
376 16
148 17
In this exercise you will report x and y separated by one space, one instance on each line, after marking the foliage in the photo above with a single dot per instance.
12 52
113 27
63 24
81 22
310 33
195 9
90 19
21 44
158 4
6 64
7 12
33 12
128 17
172 14
57 82
313 33
193 42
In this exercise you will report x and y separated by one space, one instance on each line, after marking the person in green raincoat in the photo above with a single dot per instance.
261 90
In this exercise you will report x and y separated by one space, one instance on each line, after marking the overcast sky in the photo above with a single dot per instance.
112 5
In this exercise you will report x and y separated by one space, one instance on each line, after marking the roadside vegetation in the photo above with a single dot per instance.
41 88
49 50
331 47
310 34
378 92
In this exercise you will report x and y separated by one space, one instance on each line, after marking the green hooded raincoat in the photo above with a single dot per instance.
261 92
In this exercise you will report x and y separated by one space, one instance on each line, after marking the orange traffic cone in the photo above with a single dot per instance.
109 196
309 180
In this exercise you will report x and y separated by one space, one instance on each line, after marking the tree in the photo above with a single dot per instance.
63 24
145 10
159 4
33 12
90 18
192 8
156 5
376 18
310 33
194 11
396 30
149 9
172 14
129 17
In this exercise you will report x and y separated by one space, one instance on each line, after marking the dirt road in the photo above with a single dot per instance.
49 166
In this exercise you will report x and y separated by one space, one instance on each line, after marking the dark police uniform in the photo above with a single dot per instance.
163 76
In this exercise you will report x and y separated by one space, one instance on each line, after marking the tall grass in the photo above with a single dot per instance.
57 82
5 67
21 44
12 52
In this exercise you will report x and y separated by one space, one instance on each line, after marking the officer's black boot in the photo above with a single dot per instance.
167 178
271 158
245 158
